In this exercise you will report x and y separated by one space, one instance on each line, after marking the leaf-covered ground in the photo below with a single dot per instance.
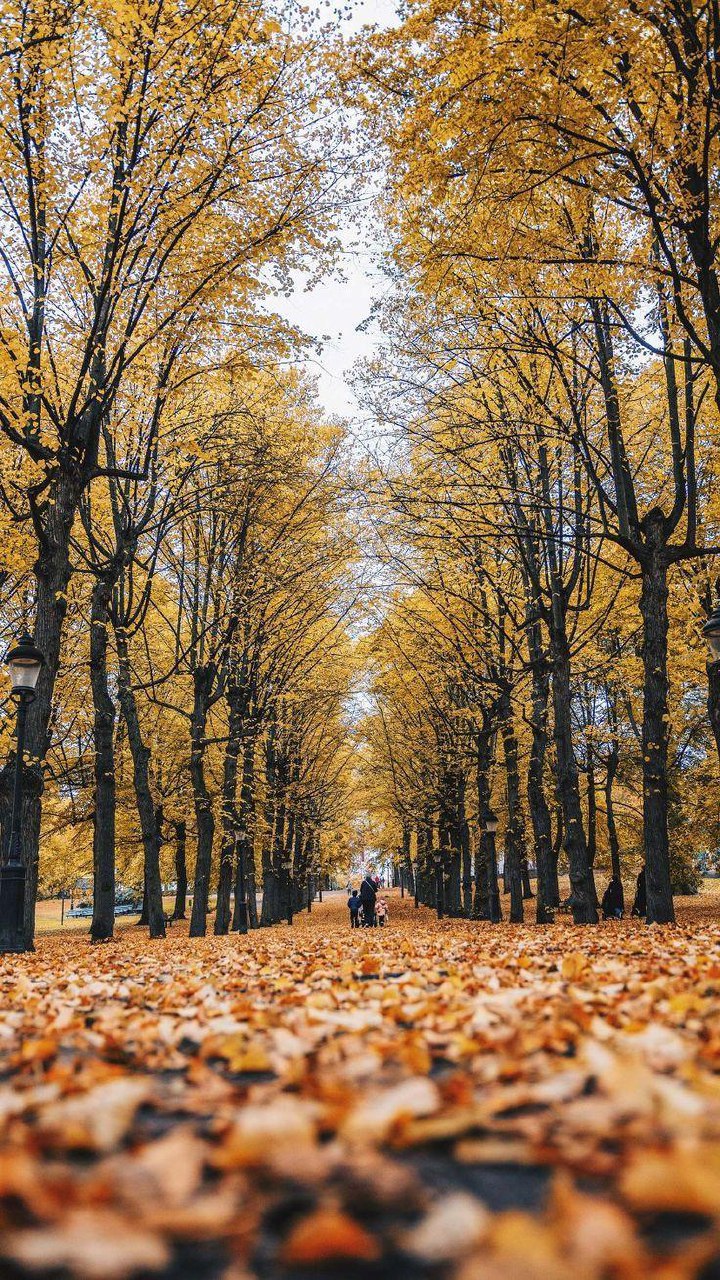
426 1101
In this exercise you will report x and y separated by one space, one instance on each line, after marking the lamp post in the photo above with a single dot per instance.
24 664
489 827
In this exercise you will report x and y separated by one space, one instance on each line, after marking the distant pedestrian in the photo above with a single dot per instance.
368 894
613 903
354 906
640 904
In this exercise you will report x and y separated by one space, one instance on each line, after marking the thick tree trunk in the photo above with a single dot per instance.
103 921
516 825
146 809
582 891
53 570
180 907
653 606
204 819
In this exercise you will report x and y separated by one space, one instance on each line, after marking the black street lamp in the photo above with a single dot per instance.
489 827
24 664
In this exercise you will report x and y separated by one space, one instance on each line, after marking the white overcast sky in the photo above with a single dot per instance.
337 307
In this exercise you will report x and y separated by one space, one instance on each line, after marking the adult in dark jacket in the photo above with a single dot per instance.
368 893
640 903
613 903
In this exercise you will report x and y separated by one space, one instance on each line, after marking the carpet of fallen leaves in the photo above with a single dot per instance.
431 1101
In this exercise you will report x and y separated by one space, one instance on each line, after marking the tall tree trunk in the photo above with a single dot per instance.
243 917
407 865
592 814
425 870
180 871
613 762
653 606
449 824
487 904
228 846
53 570
300 871
465 854
202 680
582 891
103 921
516 826
271 909
713 701
548 895
287 864
146 809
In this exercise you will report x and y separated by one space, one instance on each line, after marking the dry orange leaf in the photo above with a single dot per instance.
328 1236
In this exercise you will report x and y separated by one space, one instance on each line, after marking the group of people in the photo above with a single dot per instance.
367 909
613 902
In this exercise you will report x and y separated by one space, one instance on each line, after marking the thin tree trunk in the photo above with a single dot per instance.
407 866
547 888
245 853
613 762
204 819
592 814
103 921
653 606
465 854
449 839
516 826
582 892
713 701
229 812
146 809
180 871
487 904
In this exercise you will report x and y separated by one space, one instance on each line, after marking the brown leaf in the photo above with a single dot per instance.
328 1236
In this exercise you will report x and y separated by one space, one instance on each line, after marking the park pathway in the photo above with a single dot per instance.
432 1101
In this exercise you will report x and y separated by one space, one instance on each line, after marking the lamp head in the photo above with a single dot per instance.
24 665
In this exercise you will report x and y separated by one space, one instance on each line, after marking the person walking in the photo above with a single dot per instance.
368 894
381 912
354 906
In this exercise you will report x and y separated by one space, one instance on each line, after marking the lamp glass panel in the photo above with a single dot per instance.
23 675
